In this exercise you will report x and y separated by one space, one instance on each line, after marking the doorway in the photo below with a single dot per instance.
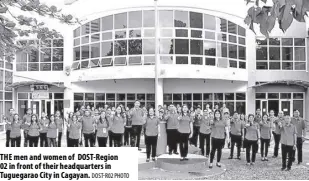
285 106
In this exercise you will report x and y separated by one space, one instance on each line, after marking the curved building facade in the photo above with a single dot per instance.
204 57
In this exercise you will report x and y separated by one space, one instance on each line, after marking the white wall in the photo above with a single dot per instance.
279 88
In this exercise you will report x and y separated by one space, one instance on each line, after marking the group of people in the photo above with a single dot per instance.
122 126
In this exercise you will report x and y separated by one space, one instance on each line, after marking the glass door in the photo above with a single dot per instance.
285 106
35 106
264 107
46 107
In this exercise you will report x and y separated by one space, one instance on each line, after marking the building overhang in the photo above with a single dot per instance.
301 83
29 83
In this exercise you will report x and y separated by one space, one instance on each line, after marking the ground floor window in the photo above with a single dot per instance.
286 102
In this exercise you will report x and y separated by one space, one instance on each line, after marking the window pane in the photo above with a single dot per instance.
261 41
120 61
273 95
34 56
210 61
261 53
300 54
233 63
149 46
218 96
84 64
21 57
299 105
208 97
77 53
196 34
149 18
232 51
120 34
210 35
135 47
299 41
229 96
285 96
150 97
120 21
196 60
149 33
261 65
187 97
22 95
241 41
58 96
181 19
107 49
242 52
121 97
135 33
298 95
85 39
95 26
149 60
166 59
222 50
166 19
107 36
196 47
120 47
141 97
78 96
95 38
77 32
46 55
274 41
166 33
274 53
95 50
177 97
232 27
287 53
209 22
45 67
135 60
58 43
222 37
240 96
232 39
181 33
131 97
135 19
110 97
181 60
242 65
223 62
287 41
300 65
260 95
86 29
166 46
222 24
196 20
181 46
274 65
85 52
33 67
94 63
241 107
241 31
287 65
210 48
57 66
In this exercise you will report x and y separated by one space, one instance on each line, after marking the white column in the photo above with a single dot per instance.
159 93
250 97
69 95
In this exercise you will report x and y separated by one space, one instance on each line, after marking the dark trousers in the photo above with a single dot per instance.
127 134
73 142
287 151
110 139
235 139
26 139
59 139
117 138
95 136
33 141
172 139
89 139
264 147
196 131
15 142
254 145
277 138
216 144
136 135
52 142
204 137
183 144
151 146
299 146
43 140
68 139
7 143
102 141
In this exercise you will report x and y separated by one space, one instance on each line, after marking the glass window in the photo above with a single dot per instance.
241 31
298 95
135 60
149 18
287 53
273 95
233 63
261 41
95 50
299 105
135 33
76 41
300 65
58 43
196 34
196 20
149 60
287 41
196 60
208 97
221 37
78 96
120 47
120 61
84 64
260 95
300 54
197 97
210 61
181 19
240 96
149 33
149 46
120 34
21 57
209 22
241 107
110 97
181 46
107 36
223 62
261 53
95 38
232 51
107 23
218 96
232 39
274 65
77 32
287 65
21 67
106 62
274 41
232 27
141 97
166 33
177 97
274 53
120 21
58 96
242 52
181 33
166 18
135 47
135 19
94 63
45 66
262 65
285 96
107 49
121 97
85 52
166 59
85 39
95 26
131 97
210 48
196 47
34 56
22 95
33 67
181 60
166 46
85 29
46 55
210 35
222 24
222 50
299 41
150 97
242 41
187 97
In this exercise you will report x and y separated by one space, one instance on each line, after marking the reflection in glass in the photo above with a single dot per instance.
232 51
95 38
94 63
149 60
135 60
166 59
181 60
233 63
166 46
196 20
232 27
166 18
34 56
166 33
232 39
107 23
300 65
85 39
242 41
274 65
222 24
210 35
262 65
242 65
210 61
135 33
76 53
209 22
84 64
149 19
57 66
135 19
107 48
196 47
287 41
274 53
222 37
85 52
107 36
120 21
261 53
274 41
95 50
181 33
241 31
106 62
261 41
149 33
120 47
57 54
120 61
120 34
181 19
77 32
46 55
181 46
196 34
287 53
210 48
135 47
242 52
300 54
196 60
299 42
46 66
95 26
76 41
85 29
149 46
287 65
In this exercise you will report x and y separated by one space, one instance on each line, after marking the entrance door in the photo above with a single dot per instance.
286 107
35 106
264 107
273 105
46 107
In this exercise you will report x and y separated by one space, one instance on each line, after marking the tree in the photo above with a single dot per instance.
12 25
283 11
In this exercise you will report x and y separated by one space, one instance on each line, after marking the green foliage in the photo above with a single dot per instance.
26 25
283 11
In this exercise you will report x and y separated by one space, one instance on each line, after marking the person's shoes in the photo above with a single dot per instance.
274 156
210 165
147 160
186 159
182 159
207 156
248 164
154 159
170 153
266 159
263 159
218 165
299 163
139 149
252 163
238 158
230 157
288 169
176 153
283 168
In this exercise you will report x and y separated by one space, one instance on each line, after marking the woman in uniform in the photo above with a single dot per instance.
265 129
59 122
102 129
34 131
171 129
43 132
15 134
205 131
74 128
52 132
117 127
251 139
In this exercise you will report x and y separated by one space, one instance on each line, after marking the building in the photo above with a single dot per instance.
207 56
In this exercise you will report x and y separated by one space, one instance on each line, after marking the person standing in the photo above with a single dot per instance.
26 124
117 127
68 122
185 130
43 132
15 134
8 127
152 131
218 129
300 125
138 116
252 137
276 133
258 116
196 126
102 129
171 130
52 132
74 128
205 131
288 142
237 135
60 123
244 122
128 128
224 109
34 131
265 129
88 128
109 117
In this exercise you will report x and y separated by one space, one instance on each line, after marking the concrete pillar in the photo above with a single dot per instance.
159 93
250 97
68 96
